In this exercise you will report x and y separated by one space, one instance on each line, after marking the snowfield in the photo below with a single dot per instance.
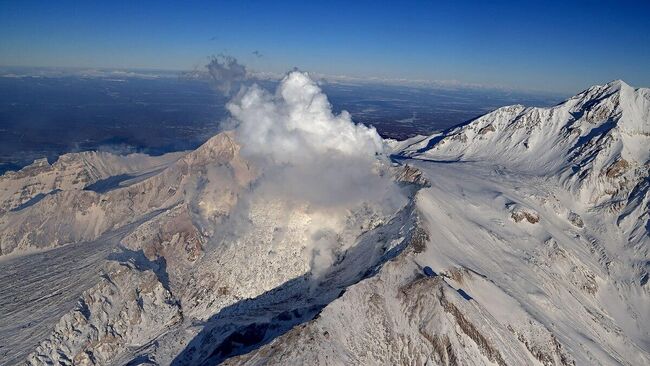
310 250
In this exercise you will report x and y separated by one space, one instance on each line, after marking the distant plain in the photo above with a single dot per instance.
50 116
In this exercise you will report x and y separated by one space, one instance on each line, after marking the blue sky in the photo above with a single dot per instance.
555 46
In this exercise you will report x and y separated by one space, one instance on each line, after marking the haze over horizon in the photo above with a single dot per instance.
555 47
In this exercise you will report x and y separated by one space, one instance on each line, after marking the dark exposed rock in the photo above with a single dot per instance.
617 169
486 129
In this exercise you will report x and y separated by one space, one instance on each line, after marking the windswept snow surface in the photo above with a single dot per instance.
577 280
533 220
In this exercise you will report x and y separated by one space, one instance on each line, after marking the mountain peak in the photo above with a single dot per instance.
613 87
580 139
618 83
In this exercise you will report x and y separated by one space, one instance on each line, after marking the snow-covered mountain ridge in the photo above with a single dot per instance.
72 171
596 144
534 222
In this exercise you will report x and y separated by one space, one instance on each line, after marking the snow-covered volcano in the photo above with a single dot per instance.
311 250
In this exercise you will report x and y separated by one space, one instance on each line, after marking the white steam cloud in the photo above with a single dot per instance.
297 124
308 156
307 152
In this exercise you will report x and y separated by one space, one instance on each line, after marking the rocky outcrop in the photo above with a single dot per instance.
519 214
126 309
